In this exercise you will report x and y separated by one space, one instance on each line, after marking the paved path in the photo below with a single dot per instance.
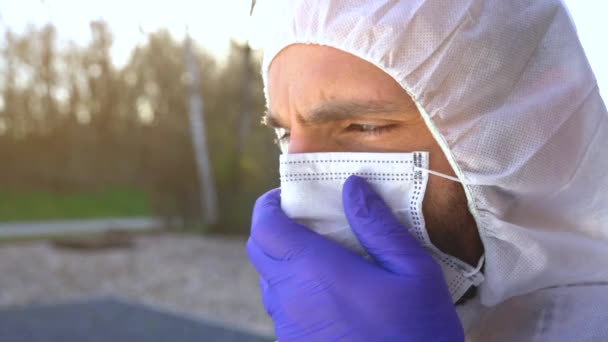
25 229
206 278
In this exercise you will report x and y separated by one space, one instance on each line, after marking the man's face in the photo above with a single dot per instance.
325 100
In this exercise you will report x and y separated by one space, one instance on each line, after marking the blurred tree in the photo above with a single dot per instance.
46 77
70 120
158 98
244 168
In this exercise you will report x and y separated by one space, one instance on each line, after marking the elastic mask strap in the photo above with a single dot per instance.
438 174
478 268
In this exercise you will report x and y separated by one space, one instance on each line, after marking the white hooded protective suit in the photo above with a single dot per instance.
506 90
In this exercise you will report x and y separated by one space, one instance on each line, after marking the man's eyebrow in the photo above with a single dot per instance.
340 110
270 120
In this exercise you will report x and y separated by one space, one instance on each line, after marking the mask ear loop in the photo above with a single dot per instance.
477 269
438 174
476 272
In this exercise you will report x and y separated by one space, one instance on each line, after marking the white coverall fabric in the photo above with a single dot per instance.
508 93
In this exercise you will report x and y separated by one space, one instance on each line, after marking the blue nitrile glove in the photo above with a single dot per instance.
316 290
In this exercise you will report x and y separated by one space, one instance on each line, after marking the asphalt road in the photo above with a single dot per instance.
107 319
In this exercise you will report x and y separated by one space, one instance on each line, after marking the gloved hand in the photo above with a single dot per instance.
316 290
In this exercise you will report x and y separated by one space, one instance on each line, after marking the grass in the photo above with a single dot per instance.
41 206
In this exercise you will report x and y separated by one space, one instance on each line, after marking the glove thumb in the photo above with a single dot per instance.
379 232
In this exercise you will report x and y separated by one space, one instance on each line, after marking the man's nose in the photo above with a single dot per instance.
301 142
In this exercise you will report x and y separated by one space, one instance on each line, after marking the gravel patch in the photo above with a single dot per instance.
207 278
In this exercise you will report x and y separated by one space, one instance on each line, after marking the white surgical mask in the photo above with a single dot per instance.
311 193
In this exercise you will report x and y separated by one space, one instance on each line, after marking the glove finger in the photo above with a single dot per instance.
268 267
275 272
267 297
379 231
276 234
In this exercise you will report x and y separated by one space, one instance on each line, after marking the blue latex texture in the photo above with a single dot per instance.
316 290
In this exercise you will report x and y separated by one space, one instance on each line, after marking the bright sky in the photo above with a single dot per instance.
212 23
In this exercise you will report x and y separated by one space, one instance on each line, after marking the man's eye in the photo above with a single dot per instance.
369 129
282 136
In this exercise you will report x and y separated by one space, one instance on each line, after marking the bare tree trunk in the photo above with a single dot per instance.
199 141
243 124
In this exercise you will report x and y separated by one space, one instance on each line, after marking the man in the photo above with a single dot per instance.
501 96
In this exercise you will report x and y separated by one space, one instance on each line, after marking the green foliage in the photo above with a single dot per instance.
73 122
35 206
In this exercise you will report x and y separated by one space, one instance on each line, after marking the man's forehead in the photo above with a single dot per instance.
312 61
316 83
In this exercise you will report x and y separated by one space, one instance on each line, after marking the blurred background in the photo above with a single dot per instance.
131 152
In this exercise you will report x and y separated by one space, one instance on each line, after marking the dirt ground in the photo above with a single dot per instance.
207 278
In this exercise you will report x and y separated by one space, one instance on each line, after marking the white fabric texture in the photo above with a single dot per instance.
506 90
311 193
